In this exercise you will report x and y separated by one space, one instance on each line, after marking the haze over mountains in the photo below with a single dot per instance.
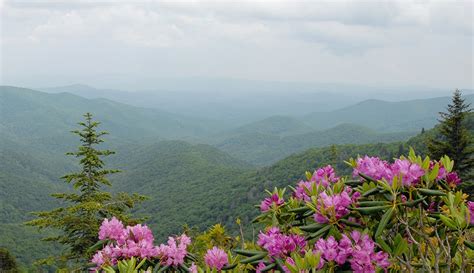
180 160
240 101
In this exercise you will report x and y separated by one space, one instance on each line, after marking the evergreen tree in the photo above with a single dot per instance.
401 150
85 208
7 262
454 139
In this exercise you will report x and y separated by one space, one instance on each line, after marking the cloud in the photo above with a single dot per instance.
287 40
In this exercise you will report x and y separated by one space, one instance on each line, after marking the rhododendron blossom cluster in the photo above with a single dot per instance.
132 241
358 250
216 258
334 206
137 241
410 172
174 252
274 200
378 169
321 177
278 244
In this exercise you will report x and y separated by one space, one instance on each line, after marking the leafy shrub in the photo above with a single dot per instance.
403 216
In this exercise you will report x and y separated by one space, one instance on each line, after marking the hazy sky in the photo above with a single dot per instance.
136 43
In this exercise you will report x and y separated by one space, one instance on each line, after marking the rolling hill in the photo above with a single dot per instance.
28 114
265 148
384 115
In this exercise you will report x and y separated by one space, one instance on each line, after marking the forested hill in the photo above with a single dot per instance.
386 116
265 149
28 115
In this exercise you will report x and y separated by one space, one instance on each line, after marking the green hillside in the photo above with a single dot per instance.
264 149
186 183
386 116
30 115
274 125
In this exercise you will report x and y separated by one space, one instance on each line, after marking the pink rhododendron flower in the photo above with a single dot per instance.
359 252
332 206
410 172
260 267
301 190
132 241
268 202
373 167
175 251
323 176
278 244
378 169
112 229
107 256
470 206
453 179
193 268
364 259
216 258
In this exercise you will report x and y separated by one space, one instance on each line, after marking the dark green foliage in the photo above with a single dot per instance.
7 262
78 220
454 139
187 184
265 149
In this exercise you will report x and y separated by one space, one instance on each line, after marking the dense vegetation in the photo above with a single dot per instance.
194 184
401 216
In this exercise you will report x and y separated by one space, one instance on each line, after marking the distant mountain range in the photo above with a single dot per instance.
238 101
386 116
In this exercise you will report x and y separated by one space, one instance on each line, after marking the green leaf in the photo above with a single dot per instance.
268 267
383 222
371 210
312 228
248 253
231 266
383 245
372 203
432 192
319 232
370 192
308 175
253 258
469 244
401 245
413 203
447 221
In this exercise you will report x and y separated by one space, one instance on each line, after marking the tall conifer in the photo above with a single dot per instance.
77 222
454 139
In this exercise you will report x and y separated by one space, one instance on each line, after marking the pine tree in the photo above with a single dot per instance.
7 262
77 223
454 139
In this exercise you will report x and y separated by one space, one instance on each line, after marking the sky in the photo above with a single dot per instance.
139 44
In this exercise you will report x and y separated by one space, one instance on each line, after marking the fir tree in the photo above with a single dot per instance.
7 262
454 139
77 223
